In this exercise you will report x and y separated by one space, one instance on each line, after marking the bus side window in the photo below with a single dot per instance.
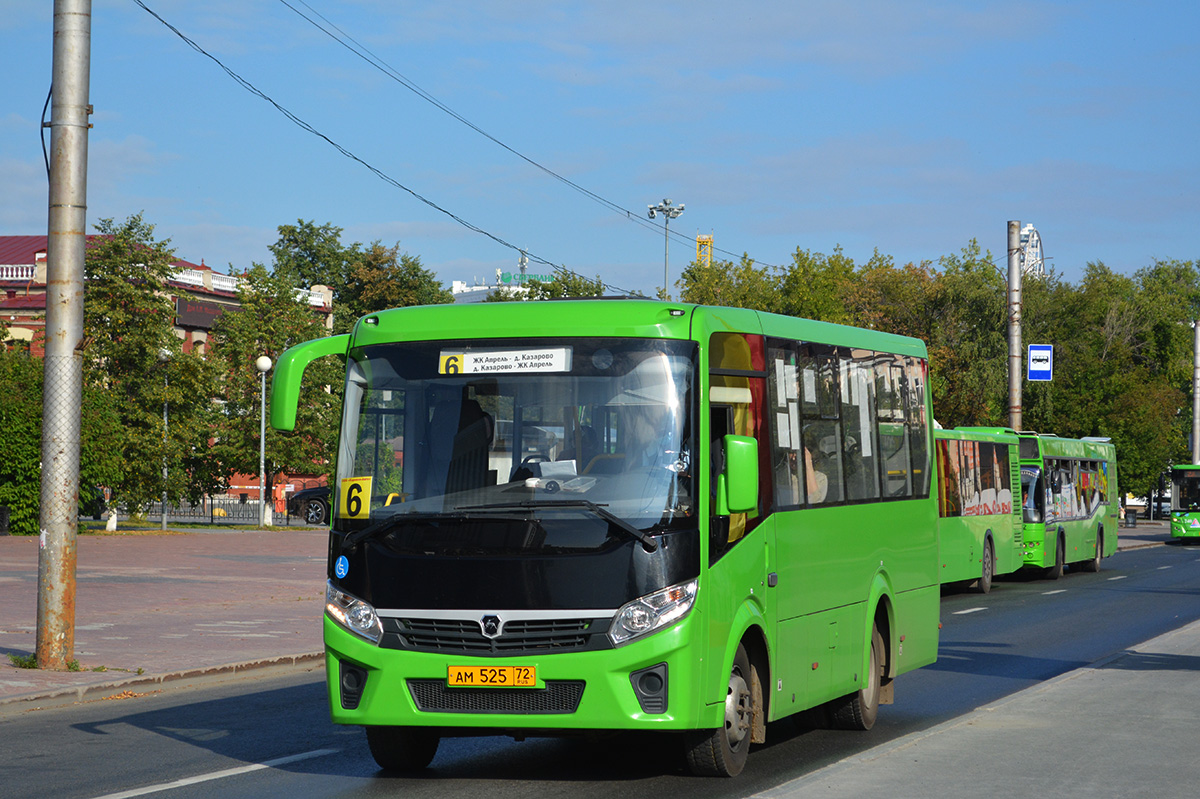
822 435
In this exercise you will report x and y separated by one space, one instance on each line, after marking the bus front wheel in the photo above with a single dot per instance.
402 748
722 752
1060 559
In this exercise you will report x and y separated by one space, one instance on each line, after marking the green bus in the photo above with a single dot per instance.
1185 501
622 515
1071 502
980 529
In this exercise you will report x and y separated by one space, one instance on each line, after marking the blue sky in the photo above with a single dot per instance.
906 127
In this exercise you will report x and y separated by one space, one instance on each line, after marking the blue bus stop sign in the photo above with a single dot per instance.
1041 362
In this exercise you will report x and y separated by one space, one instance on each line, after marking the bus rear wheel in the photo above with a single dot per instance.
859 710
1093 565
402 748
722 752
988 571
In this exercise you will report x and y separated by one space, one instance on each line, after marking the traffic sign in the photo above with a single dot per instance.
1041 362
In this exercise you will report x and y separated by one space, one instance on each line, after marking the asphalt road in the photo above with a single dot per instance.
218 736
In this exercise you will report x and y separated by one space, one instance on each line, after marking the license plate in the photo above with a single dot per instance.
492 677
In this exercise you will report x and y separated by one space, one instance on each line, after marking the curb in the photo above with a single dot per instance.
80 693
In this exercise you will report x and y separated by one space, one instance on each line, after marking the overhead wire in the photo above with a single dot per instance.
361 51
303 125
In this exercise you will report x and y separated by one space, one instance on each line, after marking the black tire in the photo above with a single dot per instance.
722 752
1093 565
402 748
1060 560
859 710
316 511
987 571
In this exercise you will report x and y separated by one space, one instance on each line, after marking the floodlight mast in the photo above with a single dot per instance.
669 212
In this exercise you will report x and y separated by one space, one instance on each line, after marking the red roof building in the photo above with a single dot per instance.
200 294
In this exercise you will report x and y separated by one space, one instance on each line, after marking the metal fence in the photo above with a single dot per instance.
214 510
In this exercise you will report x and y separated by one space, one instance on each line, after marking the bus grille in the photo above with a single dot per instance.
559 696
464 636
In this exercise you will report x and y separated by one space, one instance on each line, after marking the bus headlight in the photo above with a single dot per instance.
352 613
652 612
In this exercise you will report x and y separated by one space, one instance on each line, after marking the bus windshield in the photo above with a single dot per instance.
539 439
1185 490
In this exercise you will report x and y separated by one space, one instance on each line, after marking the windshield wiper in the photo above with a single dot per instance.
387 524
648 543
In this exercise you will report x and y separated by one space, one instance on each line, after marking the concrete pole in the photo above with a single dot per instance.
1196 392
62 384
1014 326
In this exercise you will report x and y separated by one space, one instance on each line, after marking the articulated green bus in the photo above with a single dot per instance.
1071 502
980 532
1185 501
622 515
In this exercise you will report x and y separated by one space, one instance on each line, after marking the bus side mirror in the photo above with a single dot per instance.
737 489
289 369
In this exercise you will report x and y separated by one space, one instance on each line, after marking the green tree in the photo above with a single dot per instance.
565 284
271 319
132 354
724 283
968 347
382 277
816 286
307 255
100 463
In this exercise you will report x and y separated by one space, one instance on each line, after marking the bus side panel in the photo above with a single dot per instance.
827 560
960 547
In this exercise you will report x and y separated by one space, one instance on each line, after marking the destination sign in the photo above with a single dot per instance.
534 359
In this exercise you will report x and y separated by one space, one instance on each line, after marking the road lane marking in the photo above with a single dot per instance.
1118 577
968 610
1163 568
1056 591
219 775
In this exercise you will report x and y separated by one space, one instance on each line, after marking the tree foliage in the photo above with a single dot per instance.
1123 345
271 319
133 355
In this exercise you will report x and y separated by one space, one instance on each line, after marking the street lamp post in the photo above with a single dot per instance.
669 212
164 357
263 364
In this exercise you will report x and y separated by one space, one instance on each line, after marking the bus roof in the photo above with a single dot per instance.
633 318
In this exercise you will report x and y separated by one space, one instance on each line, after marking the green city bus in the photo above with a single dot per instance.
1071 502
622 514
1185 501
980 533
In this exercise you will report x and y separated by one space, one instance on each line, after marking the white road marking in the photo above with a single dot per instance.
1056 591
968 610
1118 577
218 775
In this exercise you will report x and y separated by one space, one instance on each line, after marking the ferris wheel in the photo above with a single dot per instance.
1031 259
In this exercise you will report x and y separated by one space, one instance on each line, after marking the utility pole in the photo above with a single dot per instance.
1196 392
62 384
1014 325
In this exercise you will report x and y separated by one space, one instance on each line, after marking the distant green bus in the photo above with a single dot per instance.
1071 502
1185 501
622 515
980 530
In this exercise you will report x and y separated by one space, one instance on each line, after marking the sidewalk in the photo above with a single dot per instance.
1123 727
152 608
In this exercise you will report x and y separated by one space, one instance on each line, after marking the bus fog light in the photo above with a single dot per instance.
652 612
353 614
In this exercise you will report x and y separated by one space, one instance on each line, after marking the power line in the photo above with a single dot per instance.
357 48
245 84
